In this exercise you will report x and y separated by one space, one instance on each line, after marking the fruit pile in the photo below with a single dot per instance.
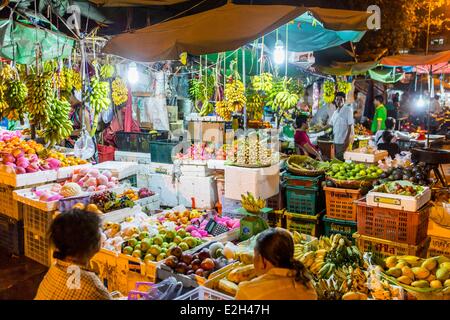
66 161
360 130
400 189
416 273
167 243
251 204
110 201
417 174
229 284
92 179
354 171
202 263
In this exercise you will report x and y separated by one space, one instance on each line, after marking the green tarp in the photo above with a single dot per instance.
387 75
18 42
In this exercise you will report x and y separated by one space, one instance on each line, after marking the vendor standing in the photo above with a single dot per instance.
379 118
342 122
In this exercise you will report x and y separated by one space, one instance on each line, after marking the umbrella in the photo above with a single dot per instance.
221 29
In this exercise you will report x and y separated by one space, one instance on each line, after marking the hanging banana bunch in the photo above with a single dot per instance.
119 92
40 96
107 71
77 83
16 95
6 74
344 86
329 91
285 100
263 82
64 80
235 95
58 127
98 100
255 105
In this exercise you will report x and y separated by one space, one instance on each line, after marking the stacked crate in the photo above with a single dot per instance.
340 216
390 232
304 204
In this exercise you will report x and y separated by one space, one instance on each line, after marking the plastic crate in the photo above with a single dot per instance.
439 246
9 206
161 151
138 141
203 293
37 247
304 200
305 224
11 235
340 203
105 153
385 248
302 181
276 218
391 224
36 220
277 202
335 226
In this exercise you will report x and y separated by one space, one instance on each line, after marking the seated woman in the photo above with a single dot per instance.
281 277
76 237
389 144
302 141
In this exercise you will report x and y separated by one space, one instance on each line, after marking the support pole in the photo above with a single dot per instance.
243 81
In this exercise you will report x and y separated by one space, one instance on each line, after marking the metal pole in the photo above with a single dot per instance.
429 107
428 28
243 81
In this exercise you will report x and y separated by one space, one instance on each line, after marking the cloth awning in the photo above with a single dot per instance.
416 60
131 3
221 29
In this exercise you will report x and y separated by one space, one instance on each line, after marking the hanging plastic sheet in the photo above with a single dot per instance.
18 42
387 75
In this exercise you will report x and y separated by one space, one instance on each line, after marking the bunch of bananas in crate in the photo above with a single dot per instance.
345 283
263 82
251 204
285 100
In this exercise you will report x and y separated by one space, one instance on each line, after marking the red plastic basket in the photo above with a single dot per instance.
391 224
340 203
105 153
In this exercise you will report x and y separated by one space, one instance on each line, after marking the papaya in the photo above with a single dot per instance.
420 273
420 284
442 274
394 272
429 264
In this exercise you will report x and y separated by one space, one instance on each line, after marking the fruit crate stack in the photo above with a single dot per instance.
388 228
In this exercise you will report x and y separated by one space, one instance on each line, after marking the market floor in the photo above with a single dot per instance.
19 277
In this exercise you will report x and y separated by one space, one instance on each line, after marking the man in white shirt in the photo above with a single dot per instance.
342 123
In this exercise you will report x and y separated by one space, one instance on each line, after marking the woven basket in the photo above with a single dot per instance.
297 159
351 184
421 293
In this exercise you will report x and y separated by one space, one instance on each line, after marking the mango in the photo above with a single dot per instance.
406 271
442 274
391 261
402 264
420 272
431 277
429 264
436 284
442 259
394 272
447 283
420 284
405 279
445 265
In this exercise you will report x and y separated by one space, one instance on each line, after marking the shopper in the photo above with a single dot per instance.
75 236
302 142
389 144
435 105
379 118
281 277
342 123
390 125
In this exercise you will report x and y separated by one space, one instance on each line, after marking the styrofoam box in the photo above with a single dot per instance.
10 178
399 202
66 172
119 169
174 192
261 182
365 157
216 164
161 168
139 157
194 168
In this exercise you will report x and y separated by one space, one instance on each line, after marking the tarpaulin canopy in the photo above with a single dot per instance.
221 29
435 68
416 60
129 3
348 68
386 75
18 42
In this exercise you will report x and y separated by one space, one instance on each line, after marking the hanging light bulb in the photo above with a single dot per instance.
279 52
133 75
421 102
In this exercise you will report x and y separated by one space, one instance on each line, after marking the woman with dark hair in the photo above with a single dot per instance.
76 238
302 142
281 277
389 144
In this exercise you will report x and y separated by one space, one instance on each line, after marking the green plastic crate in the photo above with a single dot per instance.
161 151
304 200
305 224
291 180
344 227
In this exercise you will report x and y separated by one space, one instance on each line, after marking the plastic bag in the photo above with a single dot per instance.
167 289
84 146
